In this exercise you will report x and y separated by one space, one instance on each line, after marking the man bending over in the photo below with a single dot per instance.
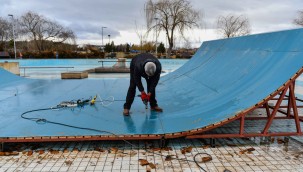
147 66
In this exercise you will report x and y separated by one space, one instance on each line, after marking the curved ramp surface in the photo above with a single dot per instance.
224 78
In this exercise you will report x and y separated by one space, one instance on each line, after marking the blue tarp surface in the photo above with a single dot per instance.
222 79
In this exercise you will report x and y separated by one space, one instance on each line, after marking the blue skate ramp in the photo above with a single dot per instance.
224 78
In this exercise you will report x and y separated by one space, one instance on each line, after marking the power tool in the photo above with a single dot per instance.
73 104
92 102
145 102
81 103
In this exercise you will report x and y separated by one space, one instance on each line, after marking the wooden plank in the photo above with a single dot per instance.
74 75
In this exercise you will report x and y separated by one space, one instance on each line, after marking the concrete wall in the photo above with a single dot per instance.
12 67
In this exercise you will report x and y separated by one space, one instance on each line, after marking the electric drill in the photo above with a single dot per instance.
145 102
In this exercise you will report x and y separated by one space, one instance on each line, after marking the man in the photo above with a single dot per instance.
147 66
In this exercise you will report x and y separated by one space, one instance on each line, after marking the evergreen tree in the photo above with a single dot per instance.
112 46
127 48
107 48
161 48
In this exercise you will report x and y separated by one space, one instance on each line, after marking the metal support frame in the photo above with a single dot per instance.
212 142
291 113
274 112
267 109
163 142
1 146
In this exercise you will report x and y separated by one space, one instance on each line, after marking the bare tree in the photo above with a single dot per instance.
187 44
142 35
4 32
65 35
43 30
172 16
30 24
299 21
231 26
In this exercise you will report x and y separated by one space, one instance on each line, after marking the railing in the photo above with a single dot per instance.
43 67
102 61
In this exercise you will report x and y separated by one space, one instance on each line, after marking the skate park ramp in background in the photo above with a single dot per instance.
224 78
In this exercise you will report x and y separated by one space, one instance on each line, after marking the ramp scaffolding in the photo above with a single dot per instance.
271 111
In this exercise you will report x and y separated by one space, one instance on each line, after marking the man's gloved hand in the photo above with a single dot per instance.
148 96
144 96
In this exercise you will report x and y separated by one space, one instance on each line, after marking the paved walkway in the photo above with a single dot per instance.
228 155
275 154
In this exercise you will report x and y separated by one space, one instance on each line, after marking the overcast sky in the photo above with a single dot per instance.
86 17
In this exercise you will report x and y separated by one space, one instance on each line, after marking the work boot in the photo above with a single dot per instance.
157 109
126 112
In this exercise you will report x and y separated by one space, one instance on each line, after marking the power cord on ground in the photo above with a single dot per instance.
63 105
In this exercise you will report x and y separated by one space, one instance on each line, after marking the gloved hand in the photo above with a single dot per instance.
144 96
148 96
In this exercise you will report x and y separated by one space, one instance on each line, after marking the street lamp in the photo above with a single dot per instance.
10 15
102 36
156 35
109 45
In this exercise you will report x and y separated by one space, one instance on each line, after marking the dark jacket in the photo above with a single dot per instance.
137 70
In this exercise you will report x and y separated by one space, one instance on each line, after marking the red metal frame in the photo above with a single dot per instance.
270 116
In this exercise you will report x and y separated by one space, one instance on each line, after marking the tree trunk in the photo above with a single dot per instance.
168 53
36 42
169 50
37 45
170 44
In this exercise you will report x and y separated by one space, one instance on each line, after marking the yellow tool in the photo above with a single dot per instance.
92 102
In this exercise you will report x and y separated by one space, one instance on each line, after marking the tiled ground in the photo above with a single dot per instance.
228 155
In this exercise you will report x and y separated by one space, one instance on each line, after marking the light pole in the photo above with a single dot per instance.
102 37
10 15
156 34
109 43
